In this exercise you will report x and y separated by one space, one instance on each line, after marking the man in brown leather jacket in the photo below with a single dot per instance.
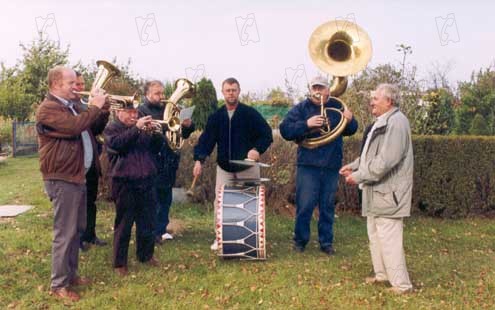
66 153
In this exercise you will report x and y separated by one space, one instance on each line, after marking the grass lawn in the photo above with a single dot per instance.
451 263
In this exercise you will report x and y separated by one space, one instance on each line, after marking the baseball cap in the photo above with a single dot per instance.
319 80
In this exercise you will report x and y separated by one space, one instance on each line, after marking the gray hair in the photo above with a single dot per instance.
391 91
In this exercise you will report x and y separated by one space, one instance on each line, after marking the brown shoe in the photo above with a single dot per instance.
64 293
153 262
80 281
121 271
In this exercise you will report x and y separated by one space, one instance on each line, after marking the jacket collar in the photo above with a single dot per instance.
383 121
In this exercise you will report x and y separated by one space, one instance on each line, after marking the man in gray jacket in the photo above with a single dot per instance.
384 172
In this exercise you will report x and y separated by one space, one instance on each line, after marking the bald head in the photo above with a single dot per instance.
61 82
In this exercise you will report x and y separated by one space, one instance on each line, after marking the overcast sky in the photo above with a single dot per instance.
259 42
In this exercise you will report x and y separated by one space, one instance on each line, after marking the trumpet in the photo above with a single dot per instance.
155 126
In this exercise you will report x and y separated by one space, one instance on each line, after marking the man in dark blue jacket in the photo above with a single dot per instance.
240 132
167 160
317 169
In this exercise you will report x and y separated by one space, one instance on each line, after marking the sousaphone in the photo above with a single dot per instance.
339 48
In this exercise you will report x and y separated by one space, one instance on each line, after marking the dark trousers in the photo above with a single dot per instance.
69 220
134 201
89 234
315 187
163 202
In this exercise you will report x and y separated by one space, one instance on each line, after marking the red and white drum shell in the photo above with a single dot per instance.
240 222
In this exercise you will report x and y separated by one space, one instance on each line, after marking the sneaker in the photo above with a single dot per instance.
167 236
214 245
397 291
328 250
374 280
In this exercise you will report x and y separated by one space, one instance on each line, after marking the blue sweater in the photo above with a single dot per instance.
234 137
294 127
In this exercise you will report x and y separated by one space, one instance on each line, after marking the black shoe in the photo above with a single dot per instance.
298 248
84 246
328 250
99 242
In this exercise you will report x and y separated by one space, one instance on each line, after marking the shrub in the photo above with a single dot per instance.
454 176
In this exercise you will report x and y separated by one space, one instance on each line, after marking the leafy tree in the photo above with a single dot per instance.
411 89
277 97
479 126
477 97
39 57
15 101
438 117
24 85
205 102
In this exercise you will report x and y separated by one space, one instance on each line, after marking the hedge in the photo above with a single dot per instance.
454 176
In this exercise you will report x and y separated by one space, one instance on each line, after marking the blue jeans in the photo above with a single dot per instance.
163 202
315 186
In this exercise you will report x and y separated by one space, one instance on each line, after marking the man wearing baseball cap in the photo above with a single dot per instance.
317 168
131 149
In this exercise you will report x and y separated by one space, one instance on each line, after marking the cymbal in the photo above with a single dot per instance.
248 180
249 162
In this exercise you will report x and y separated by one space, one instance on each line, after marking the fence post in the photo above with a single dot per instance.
14 146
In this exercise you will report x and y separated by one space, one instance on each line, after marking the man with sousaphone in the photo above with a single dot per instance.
317 125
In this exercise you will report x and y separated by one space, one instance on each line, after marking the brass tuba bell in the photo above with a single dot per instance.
183 89
106 72
339 48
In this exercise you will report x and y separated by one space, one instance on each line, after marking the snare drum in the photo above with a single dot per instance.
240 226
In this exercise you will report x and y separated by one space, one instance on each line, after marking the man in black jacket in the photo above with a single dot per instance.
167 159
239 132
93 174
131 152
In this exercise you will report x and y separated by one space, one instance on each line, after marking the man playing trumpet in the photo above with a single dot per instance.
131 148
66 155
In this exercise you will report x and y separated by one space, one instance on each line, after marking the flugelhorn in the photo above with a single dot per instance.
340 48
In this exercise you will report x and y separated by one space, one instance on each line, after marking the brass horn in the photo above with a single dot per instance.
339 48
183 89
107 71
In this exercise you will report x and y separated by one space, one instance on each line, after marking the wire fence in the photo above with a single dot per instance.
24 138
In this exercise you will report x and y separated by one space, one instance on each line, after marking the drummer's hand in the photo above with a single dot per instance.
253 154
197 168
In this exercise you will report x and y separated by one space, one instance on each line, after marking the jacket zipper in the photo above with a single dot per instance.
230 138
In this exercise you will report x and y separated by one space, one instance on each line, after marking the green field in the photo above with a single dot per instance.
451 263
